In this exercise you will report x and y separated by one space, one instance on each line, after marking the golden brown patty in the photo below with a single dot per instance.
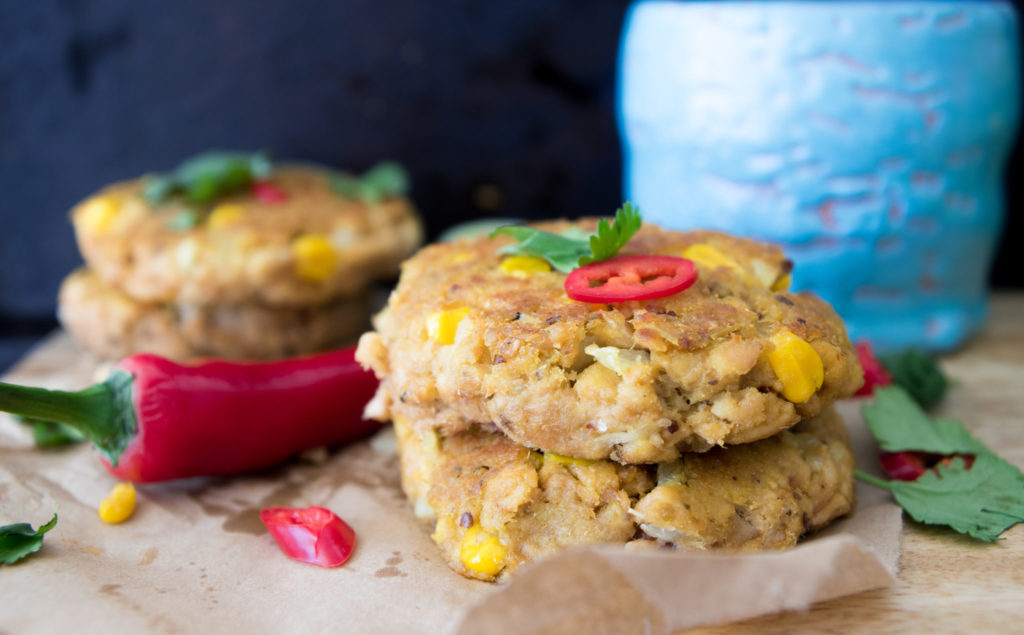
638 382
113 325
311 248
498 505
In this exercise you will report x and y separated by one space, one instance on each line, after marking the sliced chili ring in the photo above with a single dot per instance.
630 277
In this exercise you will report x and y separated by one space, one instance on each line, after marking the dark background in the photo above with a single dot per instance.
496 108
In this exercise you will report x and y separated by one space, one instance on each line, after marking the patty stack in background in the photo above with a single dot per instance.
231 256
528 422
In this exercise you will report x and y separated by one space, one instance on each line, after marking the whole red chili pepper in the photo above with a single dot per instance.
157 420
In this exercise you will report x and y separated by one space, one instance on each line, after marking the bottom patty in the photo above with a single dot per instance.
497 505
111 324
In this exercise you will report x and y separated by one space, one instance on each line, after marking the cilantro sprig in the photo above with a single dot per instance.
571 250
20 540
384 180
206 177
982 500
919 373
51 433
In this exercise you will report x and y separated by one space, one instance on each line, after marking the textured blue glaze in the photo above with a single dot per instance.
868 138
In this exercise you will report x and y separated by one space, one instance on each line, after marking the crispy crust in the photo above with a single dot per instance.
112 325
763 495
518 359
252 260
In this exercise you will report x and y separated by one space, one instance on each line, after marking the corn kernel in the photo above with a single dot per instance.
524 266
561 459
225 214
442 325
710 257
782 284
482 552
797 366
119 504
98 213
314 257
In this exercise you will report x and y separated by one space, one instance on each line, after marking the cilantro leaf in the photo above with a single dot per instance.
898 424
20 540
573 248
384 180
919 373
562 252
50 433
206 177
609 239
982 502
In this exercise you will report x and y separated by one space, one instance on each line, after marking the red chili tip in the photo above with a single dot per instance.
874 373
312 534
268 192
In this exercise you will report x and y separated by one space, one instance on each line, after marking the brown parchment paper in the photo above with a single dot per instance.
195 557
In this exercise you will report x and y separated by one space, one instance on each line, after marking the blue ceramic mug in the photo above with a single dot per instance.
869 138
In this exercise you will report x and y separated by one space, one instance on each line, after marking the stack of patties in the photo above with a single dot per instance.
528 421
230 256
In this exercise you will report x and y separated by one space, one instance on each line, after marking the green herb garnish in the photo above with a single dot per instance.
919 374
51 433
572 249
384 180
982 501
207 177
20 540
184 220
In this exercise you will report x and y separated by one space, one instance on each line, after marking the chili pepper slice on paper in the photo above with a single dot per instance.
630 277
312 534
157 420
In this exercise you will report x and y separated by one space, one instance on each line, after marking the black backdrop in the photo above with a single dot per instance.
497 108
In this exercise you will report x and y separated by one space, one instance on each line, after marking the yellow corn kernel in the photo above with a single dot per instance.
710 257
782 284
482 552
225 214
98 213
441 326
524 266
566 460
119 504
314 257
797 366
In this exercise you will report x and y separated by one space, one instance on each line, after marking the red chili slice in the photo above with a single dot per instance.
910 465
874 373
313 534
630 277
268 192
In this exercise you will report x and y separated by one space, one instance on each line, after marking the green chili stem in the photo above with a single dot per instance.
104 413
90 411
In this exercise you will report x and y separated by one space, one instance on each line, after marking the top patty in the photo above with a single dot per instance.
312 247
662 376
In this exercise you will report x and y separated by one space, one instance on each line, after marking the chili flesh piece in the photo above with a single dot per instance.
312 534
630 277
909 465
874 372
